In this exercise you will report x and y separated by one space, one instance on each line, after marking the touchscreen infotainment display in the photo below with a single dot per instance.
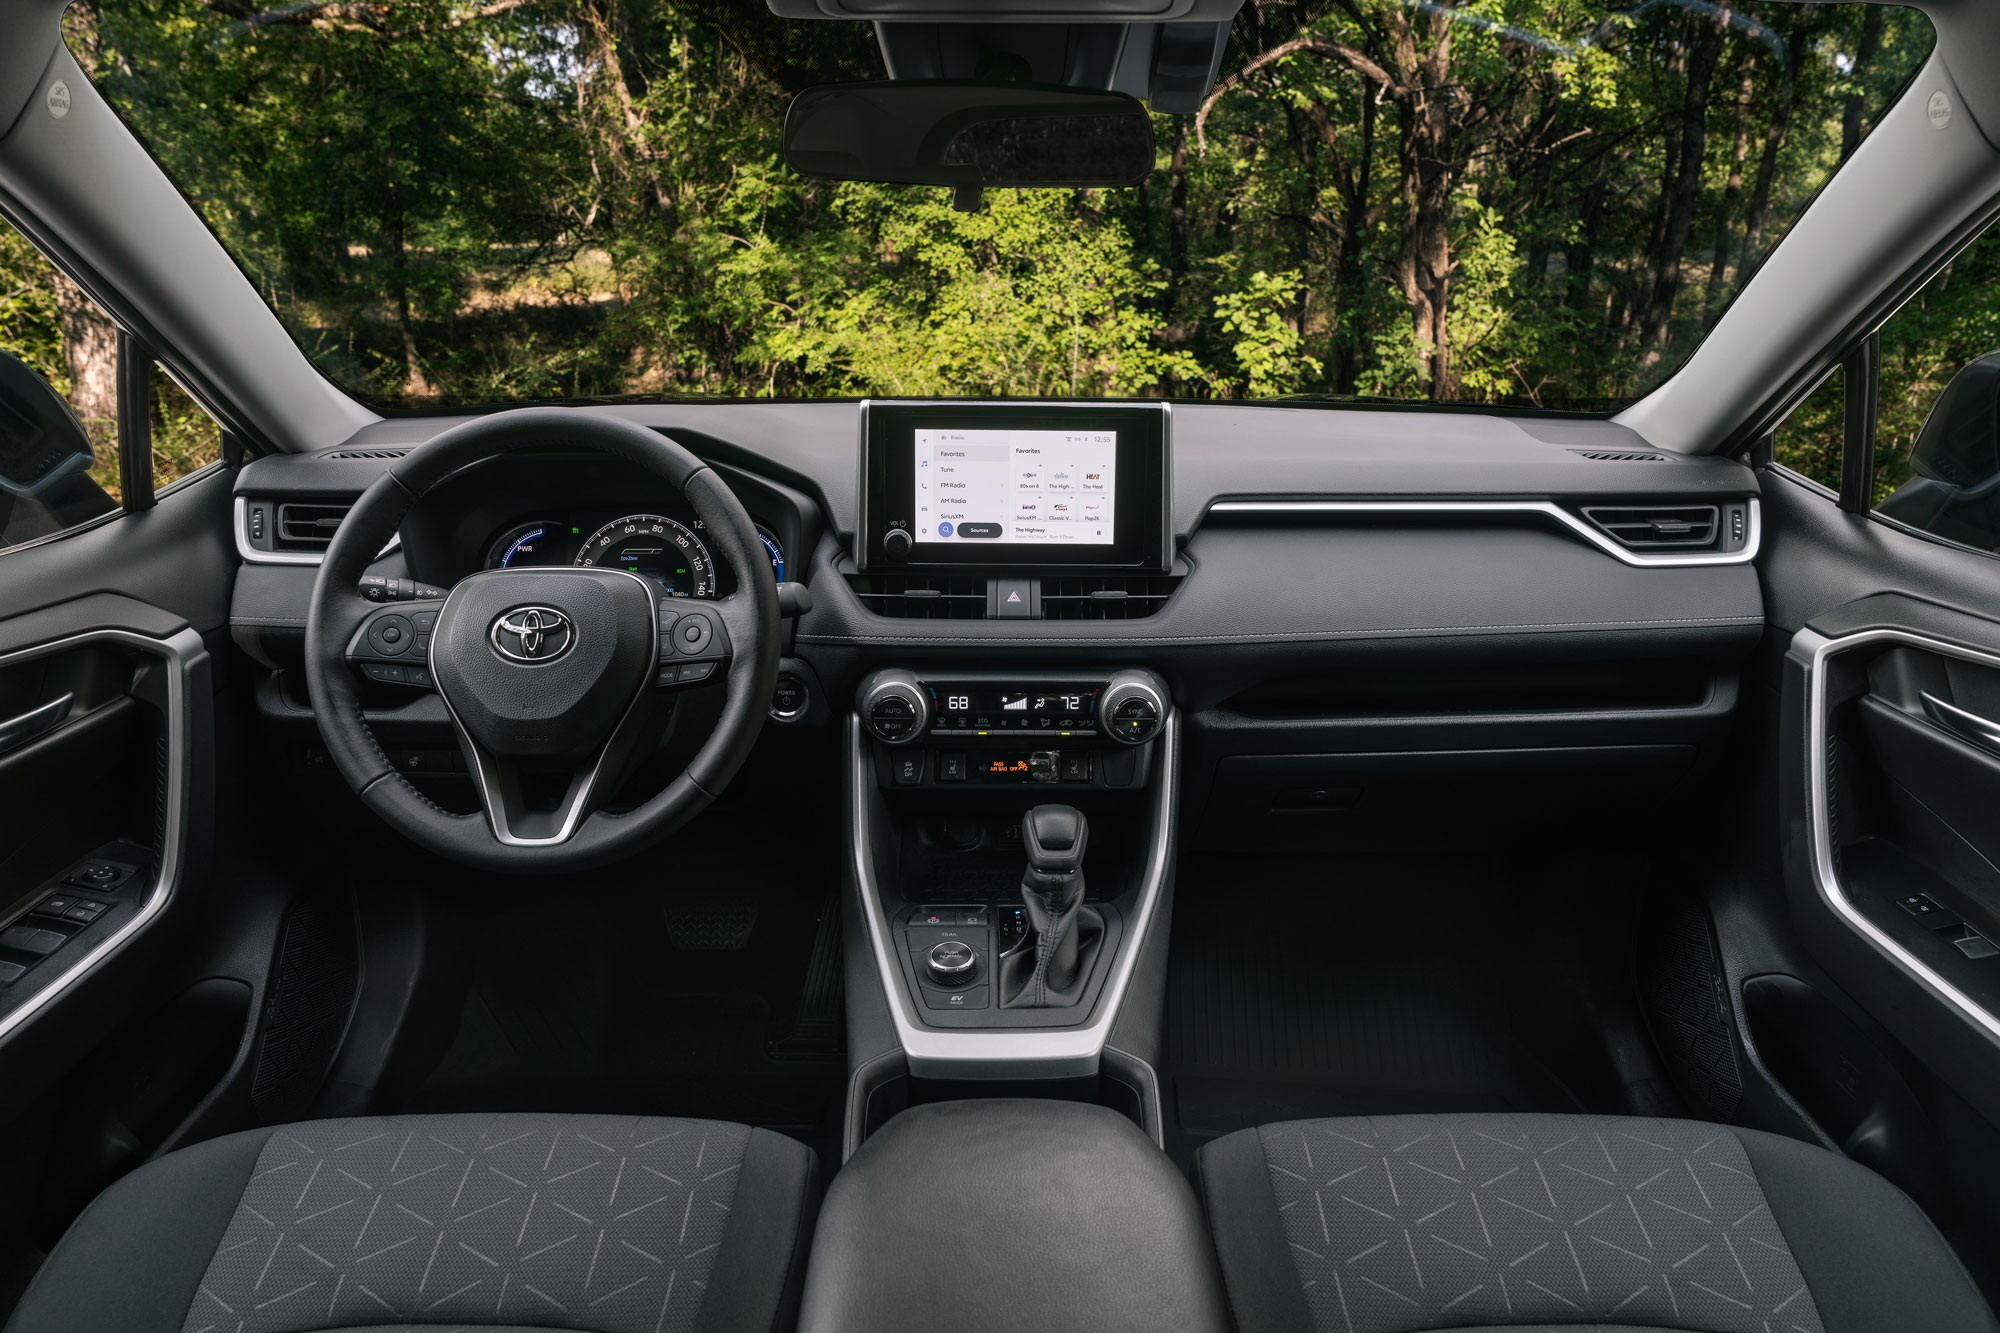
1042 486
1049 487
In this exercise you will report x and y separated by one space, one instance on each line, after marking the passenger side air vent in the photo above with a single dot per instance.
1654 527
922 596
1106 597
367 453
1619 456
304 527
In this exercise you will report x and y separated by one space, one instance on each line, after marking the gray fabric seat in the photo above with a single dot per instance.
611 1224
1397 1223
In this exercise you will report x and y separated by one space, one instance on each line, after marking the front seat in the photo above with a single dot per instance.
1398 1223
612 1224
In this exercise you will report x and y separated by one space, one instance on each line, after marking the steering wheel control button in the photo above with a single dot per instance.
691 672
391 635
952 963
693 634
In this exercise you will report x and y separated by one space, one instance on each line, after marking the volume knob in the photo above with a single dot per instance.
896 543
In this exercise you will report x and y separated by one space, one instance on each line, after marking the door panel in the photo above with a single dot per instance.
122 619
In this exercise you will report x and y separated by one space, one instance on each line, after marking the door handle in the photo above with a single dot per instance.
18 731
1981 731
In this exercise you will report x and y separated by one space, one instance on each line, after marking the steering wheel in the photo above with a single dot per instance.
552 673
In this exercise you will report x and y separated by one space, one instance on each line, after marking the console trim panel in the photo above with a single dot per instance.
1006 1054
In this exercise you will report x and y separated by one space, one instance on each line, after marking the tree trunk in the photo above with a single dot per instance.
1774 138
1684 190
1177 230
1865 51
1424 266
1348 344
1732 193
90 350
414 383
1580 255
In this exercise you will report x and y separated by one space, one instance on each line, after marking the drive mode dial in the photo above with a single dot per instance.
951 963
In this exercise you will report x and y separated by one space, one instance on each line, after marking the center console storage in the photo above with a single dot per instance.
1011 1214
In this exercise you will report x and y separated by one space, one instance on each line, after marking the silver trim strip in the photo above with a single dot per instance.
1542 508
1819 825
1020 1053
176 652
18 731
250 555
1981 731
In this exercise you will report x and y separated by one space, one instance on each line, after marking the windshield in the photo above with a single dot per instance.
1534 202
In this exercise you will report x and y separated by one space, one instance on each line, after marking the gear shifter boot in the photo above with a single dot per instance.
1052 965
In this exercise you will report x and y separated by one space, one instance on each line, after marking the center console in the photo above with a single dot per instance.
1012 827
1012 839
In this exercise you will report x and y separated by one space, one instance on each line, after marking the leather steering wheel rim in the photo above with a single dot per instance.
749 615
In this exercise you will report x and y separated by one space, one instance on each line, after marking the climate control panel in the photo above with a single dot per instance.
1001 728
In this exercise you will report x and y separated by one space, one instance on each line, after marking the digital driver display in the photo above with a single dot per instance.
1038 487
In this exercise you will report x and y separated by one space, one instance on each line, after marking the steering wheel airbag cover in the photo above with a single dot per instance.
567 704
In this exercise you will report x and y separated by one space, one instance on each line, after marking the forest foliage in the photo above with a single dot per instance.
1538 202
1541 201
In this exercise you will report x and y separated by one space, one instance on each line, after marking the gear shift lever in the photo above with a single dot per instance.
1052 890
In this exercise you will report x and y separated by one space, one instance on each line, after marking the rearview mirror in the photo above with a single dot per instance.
41 441
968 136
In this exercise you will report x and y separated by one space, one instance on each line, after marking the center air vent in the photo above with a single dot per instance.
304 527
922 596
1653 527
1098 597
368 453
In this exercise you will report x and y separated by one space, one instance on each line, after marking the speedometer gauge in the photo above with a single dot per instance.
656 548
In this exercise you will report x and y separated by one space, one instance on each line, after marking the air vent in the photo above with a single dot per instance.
922 596
1654 527
1114 597
303 527
367 453
1618 456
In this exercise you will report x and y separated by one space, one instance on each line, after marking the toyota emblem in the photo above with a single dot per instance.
534 634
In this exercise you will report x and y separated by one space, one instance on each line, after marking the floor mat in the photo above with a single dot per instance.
680 992
1298 988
